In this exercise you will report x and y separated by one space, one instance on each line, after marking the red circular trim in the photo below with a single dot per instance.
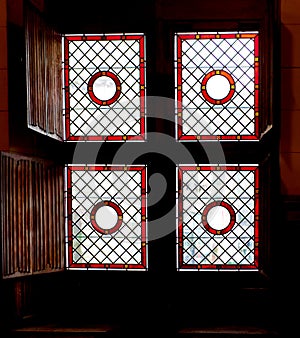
94 97
210 75
109 204
212 205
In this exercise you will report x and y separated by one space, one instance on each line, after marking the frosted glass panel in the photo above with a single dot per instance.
217 86
104 87
217 217
107 217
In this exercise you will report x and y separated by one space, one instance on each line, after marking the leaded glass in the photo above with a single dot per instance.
217 85
104 87
106 224
217 211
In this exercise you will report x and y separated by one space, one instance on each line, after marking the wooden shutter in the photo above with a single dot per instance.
44 81
32 216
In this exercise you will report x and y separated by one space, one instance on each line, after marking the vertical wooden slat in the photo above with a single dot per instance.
36 245
61 216
19 211
43 201
52 200
43 62
59 224
4 220
33 219
57 219
58 84
39 239
39 58
8 201
25 201
46 221
35 43
35 108
50 72
3 211
25 212
38 52
30 218
44 216
28 66
13 216
38 219
54 219
41 217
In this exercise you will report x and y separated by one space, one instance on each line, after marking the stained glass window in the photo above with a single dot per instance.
217 209
217 85
106 223
104 87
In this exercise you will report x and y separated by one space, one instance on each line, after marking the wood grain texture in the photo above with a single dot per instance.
31 216
44 81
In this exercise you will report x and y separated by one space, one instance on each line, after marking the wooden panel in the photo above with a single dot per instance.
3 16
3 90
15 12
290 45
290 168
290 11
290 136
217 9
3 45
31 216
4 136
290 88
44 84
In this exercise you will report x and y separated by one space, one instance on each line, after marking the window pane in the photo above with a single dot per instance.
217 217
104 86
217 86
106 217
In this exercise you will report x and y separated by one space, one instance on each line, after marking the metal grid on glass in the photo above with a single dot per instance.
217 211
106 222
104 87
217 85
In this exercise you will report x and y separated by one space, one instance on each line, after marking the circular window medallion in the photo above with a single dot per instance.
106 217
218 217
104 88
217 87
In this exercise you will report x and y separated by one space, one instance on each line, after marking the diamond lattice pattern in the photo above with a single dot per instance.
126 246
121 55
199 246
199 56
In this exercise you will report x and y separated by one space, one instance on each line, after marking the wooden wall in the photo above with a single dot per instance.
290 97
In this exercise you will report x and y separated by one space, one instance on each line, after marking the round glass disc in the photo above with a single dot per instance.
218 87
104 88
218 217
106 217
